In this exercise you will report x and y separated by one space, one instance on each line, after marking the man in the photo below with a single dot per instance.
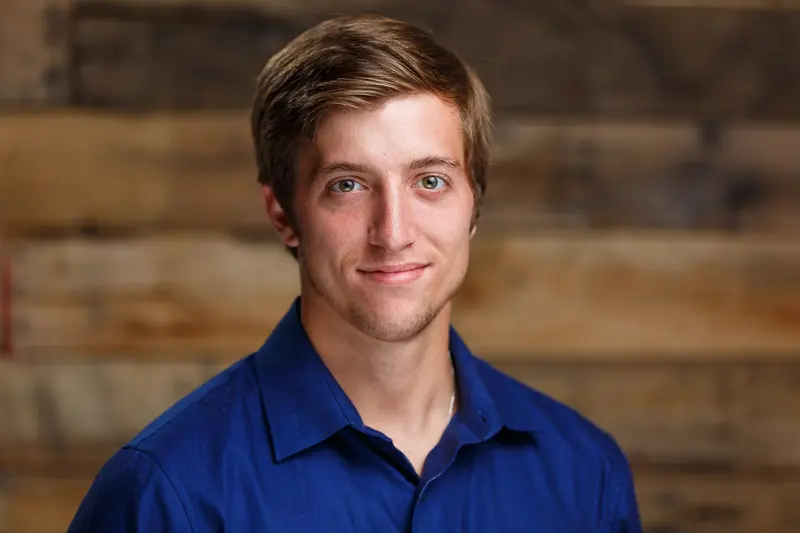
364 410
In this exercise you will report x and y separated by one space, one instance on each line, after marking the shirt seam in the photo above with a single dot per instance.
172 483
141 440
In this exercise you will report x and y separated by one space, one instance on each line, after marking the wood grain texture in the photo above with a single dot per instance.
33 52
712 415
723 415
592 296
128 173
565 57
669 502
632 295
67 419
107 174
39 505
718 4
746 502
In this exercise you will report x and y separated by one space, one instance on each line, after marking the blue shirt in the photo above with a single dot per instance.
273 445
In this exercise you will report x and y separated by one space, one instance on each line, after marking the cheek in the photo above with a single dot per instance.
451 226
334 234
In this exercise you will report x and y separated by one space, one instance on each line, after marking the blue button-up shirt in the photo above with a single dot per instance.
273 445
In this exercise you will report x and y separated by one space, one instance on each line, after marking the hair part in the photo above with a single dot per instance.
358 62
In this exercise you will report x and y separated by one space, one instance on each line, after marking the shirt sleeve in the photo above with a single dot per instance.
131 494
623 510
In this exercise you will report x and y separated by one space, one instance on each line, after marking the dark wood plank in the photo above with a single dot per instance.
717 4
585 296
544 58
701 502
40 504
567 174
567 57
33 53
101 174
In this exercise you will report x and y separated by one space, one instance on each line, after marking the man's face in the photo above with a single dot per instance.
384 210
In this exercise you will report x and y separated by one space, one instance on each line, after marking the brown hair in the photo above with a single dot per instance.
358 62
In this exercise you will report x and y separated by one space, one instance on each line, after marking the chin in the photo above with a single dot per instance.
394 321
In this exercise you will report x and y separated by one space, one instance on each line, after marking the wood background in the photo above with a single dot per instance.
638 256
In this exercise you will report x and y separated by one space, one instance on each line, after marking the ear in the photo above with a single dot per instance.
278 217
473 230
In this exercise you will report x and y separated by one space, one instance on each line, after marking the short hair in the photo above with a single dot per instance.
357 62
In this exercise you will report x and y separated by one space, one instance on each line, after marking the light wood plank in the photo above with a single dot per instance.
56 405
632 296
582 296
67 173
720 415
712 414
33 52
123 173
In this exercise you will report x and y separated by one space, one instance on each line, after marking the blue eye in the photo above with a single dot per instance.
345 186
432 182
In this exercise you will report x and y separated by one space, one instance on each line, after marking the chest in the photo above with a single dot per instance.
478 492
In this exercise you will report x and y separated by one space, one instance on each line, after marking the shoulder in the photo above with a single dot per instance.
206 421
558 426
571 445
131 494
160 471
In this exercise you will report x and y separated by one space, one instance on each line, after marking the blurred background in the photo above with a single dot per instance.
638 256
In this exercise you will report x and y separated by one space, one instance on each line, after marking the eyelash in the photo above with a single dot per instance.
442 179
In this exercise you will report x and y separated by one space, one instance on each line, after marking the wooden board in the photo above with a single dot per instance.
669 501
745 502
40 505
542 58
632 296
107 174
33 52
710 415
580 296
719 4
128 173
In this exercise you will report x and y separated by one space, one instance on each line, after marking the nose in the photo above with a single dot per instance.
393 226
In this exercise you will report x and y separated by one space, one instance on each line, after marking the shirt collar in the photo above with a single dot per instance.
487 403
304 404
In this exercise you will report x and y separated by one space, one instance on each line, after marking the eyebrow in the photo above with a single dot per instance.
433 161
417 164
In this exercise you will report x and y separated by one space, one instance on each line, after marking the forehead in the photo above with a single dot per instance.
402 129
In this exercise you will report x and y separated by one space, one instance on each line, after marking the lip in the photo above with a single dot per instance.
398 274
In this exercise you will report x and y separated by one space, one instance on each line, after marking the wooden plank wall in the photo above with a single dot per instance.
638 256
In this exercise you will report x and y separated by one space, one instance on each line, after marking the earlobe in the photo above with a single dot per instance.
279 218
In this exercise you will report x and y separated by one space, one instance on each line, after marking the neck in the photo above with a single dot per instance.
397 387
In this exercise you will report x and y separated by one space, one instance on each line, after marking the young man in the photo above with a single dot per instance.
364 410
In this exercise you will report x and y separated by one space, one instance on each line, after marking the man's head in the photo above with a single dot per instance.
372 144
